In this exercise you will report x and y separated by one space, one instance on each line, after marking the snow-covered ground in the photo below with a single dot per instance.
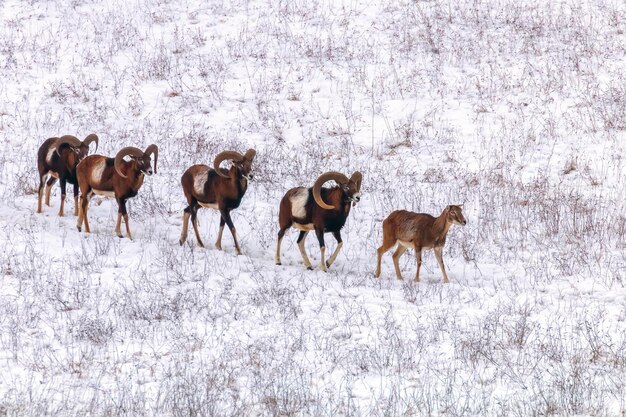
515 108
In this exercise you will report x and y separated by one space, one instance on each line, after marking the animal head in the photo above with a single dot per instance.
351 187
455 215
142 159
80 149
242 163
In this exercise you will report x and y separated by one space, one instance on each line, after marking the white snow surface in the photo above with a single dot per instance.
516 108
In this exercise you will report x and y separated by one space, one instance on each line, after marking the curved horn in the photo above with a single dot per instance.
249 155
357 178
222 156
331 175
129 150
73 141
91 138
153 149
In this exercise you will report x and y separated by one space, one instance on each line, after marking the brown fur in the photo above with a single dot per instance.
62 166
226 193
322 220
111 181
418 231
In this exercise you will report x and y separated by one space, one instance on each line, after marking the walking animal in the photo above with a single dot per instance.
418 231
217 188
306 209
57 158
114 177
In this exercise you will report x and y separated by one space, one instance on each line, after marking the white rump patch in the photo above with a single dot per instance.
98 169
298 203
103 193
199 180
51 150
208 205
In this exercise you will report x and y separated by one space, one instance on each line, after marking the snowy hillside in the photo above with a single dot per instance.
515 108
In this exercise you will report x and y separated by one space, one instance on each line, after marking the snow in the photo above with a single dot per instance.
514 108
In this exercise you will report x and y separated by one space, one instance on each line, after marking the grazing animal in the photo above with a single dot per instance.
418 231
217 188
114 177
306 209
57 158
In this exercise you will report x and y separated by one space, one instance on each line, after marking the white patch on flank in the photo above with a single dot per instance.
199 180
98 169
298 202
304 227
208 205
103 193
50 152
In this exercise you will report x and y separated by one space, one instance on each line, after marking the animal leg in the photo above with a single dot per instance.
183 235
122 213
49 185
418 259
231 226
396 259
387 244
332 258
194 222
218 242
118 225
42 180
281 234
305 258
130 236
439 256
320 238
76 199
63 184
82 218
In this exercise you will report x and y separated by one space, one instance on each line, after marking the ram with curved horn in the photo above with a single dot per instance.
114 177
323 210
216 188
57 158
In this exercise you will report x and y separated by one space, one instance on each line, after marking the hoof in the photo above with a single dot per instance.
79 228
327 264
309 268
181 242
278 263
